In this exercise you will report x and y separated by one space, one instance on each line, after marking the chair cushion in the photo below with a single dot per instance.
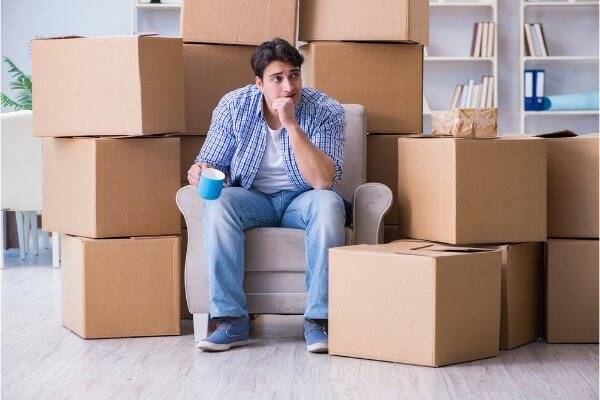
278 249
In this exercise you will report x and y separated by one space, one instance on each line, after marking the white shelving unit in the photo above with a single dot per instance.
557 63
140 7
446 66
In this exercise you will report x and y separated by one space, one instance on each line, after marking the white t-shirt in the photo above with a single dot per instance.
272 176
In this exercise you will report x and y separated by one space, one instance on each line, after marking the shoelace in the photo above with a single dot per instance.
225 324
316 326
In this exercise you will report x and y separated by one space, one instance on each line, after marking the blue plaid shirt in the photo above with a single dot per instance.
237 136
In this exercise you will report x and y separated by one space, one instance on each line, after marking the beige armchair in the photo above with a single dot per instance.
274 279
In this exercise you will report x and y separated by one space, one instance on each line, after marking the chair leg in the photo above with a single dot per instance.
200 327
55 250
20 233
26 230
3 236
34 231
46 239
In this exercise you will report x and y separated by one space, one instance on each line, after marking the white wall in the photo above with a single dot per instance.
23 20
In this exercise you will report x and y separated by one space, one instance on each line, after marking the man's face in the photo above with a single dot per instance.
280 80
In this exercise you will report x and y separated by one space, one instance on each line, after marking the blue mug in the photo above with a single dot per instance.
211 183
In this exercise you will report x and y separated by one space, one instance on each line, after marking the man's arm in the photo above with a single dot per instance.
219 145
320 163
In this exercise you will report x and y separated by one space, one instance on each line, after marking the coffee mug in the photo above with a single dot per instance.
211 183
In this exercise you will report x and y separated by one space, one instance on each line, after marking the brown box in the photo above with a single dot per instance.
386 78
103 187
211 71
123 86
465 191
121 287
190 148
472 123
356 20
573 187
572 291
414 303
382 167
248 22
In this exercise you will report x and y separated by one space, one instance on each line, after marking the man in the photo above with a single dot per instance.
281 145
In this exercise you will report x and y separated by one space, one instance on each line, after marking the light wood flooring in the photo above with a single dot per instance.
42 360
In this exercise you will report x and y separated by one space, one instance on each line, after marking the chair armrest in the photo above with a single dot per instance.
371 203
195 274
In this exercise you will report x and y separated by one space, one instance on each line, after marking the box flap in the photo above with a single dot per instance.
59 37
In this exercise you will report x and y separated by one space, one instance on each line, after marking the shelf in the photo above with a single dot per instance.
458 58
462 4
573 112
562 58
172 6
561 4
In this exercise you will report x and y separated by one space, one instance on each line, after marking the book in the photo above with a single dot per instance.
469 92
528 41
475 97
477 47
490 92
528 89
542 42
464 96
484 89
456 97
491 33
474 39
484 39
537 49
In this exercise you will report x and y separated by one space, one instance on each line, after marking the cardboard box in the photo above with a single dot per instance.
190 148
356 20
211 71
386 78
123 86
414 302
472 123
573 187
382 167
102 187
465 191
572 291
248 22
120 287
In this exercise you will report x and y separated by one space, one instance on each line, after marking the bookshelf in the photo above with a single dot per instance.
571 33
146 19
446 66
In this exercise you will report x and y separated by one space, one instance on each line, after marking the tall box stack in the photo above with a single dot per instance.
370 53
109 181
572 250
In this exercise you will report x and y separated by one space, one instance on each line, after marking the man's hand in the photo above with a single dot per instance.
195 171
284 107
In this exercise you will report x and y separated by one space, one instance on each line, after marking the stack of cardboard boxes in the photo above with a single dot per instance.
572 268
107 187
370 54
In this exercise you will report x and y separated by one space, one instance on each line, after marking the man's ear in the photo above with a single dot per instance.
259 83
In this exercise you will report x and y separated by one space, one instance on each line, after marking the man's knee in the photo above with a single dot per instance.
327 205
225 204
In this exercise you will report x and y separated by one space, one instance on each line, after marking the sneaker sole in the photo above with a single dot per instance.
318 347
208 346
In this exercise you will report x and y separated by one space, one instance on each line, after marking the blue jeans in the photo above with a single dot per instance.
321 213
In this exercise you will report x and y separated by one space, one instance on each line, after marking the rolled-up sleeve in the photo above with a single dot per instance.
330 137
219 145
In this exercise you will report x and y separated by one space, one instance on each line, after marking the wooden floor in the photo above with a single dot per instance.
42 360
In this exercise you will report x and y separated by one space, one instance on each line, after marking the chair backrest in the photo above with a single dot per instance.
355 150
21 162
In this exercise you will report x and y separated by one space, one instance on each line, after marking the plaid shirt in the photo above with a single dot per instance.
237 136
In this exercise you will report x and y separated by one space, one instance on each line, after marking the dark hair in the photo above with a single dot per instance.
274 50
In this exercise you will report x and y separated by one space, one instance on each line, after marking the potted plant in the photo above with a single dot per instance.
22 84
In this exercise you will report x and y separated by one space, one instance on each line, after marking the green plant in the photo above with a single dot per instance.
22 84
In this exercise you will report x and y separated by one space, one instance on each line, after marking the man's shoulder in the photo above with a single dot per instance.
321 104
241 95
